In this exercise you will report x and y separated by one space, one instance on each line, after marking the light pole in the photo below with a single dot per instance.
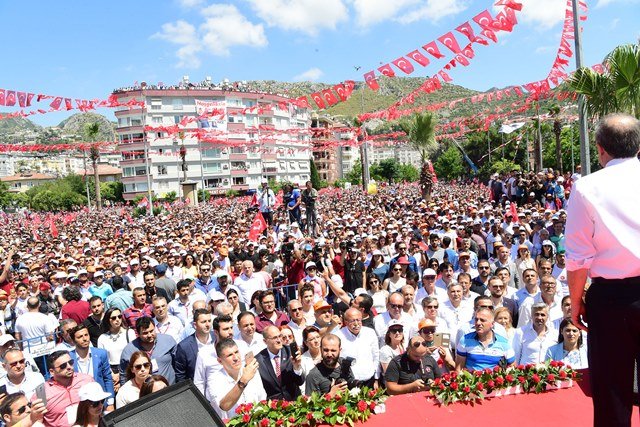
584 132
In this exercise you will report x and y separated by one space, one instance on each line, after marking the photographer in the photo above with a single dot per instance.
309 196
292 198
413 370
266 201
354 269
333 375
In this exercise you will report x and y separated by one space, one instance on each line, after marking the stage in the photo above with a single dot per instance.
564 407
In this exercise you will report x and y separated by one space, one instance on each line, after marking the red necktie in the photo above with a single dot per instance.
277 360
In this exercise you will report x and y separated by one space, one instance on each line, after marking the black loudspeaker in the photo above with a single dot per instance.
181 404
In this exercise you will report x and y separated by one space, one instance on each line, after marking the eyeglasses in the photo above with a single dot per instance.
277 337
145 365
402 249
99 403
17 362
434 307
428 330
429 277
490 307
418 344
295 310
69 363
484 267
374 282
21 410
311 269
114 317
396 331
396 306
397 269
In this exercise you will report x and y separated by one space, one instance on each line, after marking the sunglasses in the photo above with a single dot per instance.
17 362
418 344
433 306
396 331
21 410
145 365
114 317
429 277
69 363
397 269
295 310
428 330
396 306
98 403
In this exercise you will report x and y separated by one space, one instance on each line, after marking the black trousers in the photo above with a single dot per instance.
613 315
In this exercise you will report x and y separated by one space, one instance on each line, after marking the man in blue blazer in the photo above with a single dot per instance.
187 350
281 373
92 361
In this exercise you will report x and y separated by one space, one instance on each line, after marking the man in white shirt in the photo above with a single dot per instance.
531 342
298 321
530 289
395 305
165 322
454 310
247 332
361 344
182 307
173 271
236 383
19 378
135 275
248 283
548 296
35 328
429 288
560 272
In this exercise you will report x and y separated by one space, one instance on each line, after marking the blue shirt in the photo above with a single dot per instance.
103 291
161 357
295 195
478 357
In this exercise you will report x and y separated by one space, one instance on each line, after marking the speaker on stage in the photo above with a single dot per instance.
181 404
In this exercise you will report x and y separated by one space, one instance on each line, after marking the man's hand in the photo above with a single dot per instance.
579 315
337 388
37 411
419 385
249 371
296 360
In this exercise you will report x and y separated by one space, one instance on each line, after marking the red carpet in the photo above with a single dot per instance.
566 407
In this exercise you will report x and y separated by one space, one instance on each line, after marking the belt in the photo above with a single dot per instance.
625 281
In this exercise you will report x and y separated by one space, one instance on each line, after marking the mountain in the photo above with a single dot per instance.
75 125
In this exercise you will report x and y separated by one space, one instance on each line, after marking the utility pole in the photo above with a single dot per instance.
585 159
146 143
86 181
365 146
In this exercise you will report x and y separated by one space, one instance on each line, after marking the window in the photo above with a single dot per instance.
239 180
292 165
156 120
162 170
163 185
156 106
213 182
212 167
176 103
177 119
124 121
302 165
213 153
136 122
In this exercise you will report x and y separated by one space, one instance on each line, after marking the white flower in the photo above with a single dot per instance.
540 367
354 392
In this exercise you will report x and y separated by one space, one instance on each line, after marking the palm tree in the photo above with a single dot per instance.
617 89
421 132
92 130
554 111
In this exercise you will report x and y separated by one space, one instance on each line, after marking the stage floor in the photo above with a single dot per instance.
566 407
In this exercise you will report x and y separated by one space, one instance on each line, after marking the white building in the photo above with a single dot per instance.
58 165
403 154
242 147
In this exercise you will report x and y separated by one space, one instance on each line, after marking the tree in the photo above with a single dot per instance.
354 176
554 111
5 195
617 89
421 132
449 165
91 131
409 173
387 169
315 177
112 191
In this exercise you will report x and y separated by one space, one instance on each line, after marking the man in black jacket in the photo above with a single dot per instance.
281 372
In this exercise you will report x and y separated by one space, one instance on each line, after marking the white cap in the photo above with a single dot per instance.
83 271
429 272
5 339
134 261
216 296
98 274
310 264
92 391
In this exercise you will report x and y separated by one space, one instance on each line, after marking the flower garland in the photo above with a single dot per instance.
344 408
473 386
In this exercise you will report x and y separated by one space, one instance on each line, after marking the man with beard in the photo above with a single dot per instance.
480 284
187 350
333 374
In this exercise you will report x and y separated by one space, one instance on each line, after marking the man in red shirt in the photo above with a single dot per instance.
75 308
140 308
269 315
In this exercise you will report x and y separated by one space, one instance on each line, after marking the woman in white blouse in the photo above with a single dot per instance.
311 355
570 348
138 371
394 344
115 336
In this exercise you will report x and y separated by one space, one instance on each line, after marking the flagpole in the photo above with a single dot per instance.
582 109
145 140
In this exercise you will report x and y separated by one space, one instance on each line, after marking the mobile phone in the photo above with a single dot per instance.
293 347
248 357
40 394
3 389
441 339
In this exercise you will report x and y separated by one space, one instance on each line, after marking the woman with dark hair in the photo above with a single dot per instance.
91 406
234 300
394 344
287 334
373 286
571 348
255 306
114 338
311 355
190 265
377 265
152 384
138 370
434 264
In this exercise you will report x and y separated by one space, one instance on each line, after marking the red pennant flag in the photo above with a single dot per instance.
370 79
29 98
517 90
317 98
10 99
386 70
349 85
341 91
418 57
53 229
510 4
450 41
433 172
468 51
144 202
484 19
432 49
257 226
514 212
279 201
55 104
22 99
467 31
67 104
404 64
2 97
302 102
444 76
462 60
329 97
254 200
490 34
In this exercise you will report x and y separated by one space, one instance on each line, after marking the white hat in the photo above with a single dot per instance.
98 274
294 225
216 296
92 391
429 272
5 339
376 252
83 271
310 264
134 261
60 275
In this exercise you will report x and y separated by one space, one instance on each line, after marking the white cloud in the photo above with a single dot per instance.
433 10
306 16
184 34
614 23
370 12
311 74
225 27
544 14
190 4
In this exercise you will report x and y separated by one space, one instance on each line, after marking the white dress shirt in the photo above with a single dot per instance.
363 348
524 312
171 326
603 222
28 385
252 393
207 365
247 286
531 348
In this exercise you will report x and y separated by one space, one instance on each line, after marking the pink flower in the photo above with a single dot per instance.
521 367
292 420
487 371
248 407
551 378
372 406
264 422
441 386
274 404
309 416
327 396
477 373
240 409
499 381
327 411
509 377
466 389
279 422
454 386
491 384
535 378
342 409
563 375
372 393
496 369
521 379
480 386
246 418
362 405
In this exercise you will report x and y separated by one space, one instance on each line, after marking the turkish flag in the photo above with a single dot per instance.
317 98
341 90
467 31
29 98
55 104
302 102
444 76
517 90
279 201
67 104
462 60
370 79
484 19
254 200
349 85
509 4
490 34
468 51
10 99
514 212
418 57
432 49
1 96
404 64
257 226
450 41
22 99
328 96
53 230
386 70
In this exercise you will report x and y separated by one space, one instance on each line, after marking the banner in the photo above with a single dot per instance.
206 120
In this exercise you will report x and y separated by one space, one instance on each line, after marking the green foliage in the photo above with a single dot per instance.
339 183
20 199
5 196
409 173
421 132
204 196
355 174
500 166
387 170
232 193
450 164
112 191
315 177
170 196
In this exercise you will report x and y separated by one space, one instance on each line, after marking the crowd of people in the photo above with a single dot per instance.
382 290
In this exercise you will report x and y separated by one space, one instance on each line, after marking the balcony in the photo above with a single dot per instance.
238 156
240 187
239 172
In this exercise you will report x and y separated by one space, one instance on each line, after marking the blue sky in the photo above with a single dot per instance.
85 49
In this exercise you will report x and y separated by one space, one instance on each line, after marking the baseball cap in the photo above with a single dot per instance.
216 296
4 339
160 269
98 274
44 286
395 322
426 323
92 391
321 305
429 272
310 264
